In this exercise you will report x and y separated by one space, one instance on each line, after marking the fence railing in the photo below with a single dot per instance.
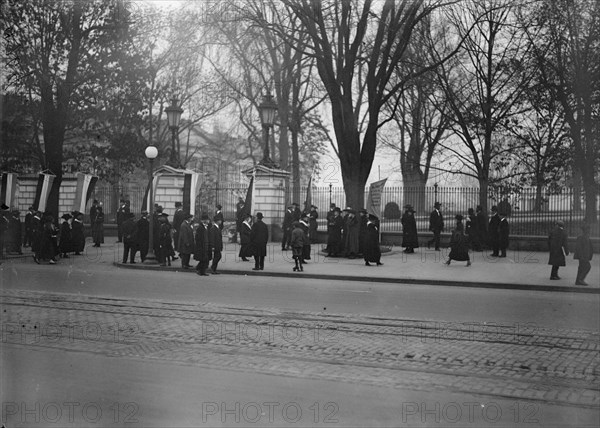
528 214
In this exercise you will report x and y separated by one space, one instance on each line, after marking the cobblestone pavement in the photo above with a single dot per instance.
510 361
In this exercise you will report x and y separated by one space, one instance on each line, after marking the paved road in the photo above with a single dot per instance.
163 350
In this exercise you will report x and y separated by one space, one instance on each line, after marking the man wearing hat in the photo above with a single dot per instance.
97 221
77 232
313 215
143 235
259 236
410 239
165 241
329 217
288 219
66 236
436 225
186 241
372 251
215 243
503 234
557 244
246 249
3 227
219 216
177 220
493 232
122 215
130 245
240 212
201 248
334 238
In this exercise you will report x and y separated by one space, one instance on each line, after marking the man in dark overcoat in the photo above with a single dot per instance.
313 215
66 236
372 251
436 225
27 224
186 241
494 232
334 238
503 234
557 244
129 236
410 239
259 237
215 240
143 235
122 215
288 220
583 253
77 232
201 249
177 220
97 221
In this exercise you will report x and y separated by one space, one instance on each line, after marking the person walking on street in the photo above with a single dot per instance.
410 239
372 251
66 236
557 244
201 249
436 225
97 220
583 253
288 220
259 236
215 242
459 249
503 234
246 249
186 241
298 238
494 232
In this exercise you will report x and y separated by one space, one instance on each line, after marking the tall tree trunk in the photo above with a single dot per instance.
483 194
414 189
576 189
295 169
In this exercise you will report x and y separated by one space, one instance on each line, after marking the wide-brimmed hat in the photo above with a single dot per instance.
337 209
408 207
259 215
332 205
66 216
560 223
314 206
219 206
373 217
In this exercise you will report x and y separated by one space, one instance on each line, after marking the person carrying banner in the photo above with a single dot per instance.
246 249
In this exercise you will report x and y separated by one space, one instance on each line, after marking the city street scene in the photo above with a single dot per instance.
289 213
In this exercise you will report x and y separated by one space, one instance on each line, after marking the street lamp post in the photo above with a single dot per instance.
435 191
173 117
267 110
151 153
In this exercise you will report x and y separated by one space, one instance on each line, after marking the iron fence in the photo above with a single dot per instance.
529 212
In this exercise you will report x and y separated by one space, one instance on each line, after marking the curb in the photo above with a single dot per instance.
495 285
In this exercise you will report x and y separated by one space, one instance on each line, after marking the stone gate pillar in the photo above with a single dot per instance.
269 197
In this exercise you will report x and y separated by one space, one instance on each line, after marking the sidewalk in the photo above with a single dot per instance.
519 270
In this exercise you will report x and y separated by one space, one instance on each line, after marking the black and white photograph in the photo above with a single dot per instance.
300 213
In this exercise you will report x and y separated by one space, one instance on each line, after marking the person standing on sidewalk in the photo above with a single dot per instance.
503 234
298 238
201 250
97 220
77 230
245 239
334 237
306 249
288 219
313 215
459 249
239 218
557 244
143 234
472 230
436 225
493 232
410 239
122 216
215 241
186 241
129 235
27 224
583 253
259 236
165 241
177 220
66 236
372 250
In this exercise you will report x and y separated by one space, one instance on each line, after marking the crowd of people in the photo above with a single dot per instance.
350 234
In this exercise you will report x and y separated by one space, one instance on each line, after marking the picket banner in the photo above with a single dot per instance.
42 191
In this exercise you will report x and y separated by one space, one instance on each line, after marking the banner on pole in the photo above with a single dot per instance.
374 198
42 191
249 195
146 200
10 189
190 191
85 187
308 200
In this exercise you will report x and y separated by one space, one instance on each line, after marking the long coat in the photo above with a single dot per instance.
215 238
583 249
557 242
436 221
49 244
97 220
78 236
409 230
493 232
201 251
36 234
352 235
459 249
298 239
143 234
259 236
186 239
129 232
503 233
372 251
246 247
66 238
313 225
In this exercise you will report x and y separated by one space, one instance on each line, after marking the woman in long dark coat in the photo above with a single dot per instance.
410 239
66 236
313 215
557 243
77 233
97 220
472 230
459 248
259 236
372 252
49 244
352 235
246 247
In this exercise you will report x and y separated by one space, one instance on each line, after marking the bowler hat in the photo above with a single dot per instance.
259 215
437 204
